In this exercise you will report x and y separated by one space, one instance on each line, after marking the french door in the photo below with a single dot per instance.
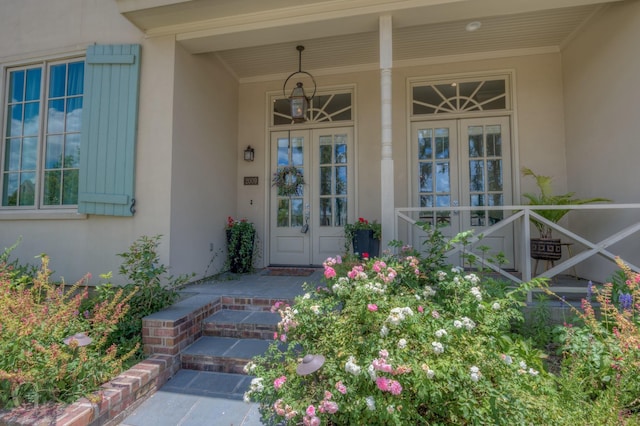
307 227
465 162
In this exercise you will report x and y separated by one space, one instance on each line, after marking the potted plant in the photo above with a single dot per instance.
240 245
364 237
546 247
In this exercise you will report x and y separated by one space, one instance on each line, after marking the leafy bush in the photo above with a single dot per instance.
150 289
36 316
601 357
402 348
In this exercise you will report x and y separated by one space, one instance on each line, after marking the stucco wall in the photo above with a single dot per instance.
204 162
538 127
79 246
600 70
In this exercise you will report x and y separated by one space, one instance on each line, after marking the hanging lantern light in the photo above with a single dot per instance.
298 99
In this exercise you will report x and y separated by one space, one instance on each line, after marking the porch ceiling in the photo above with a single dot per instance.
256 39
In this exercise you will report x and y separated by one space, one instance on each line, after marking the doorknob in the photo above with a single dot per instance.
455 204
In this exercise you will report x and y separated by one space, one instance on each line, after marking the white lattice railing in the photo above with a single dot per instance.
521 217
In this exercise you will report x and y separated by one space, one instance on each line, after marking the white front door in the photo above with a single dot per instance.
465 162
308 227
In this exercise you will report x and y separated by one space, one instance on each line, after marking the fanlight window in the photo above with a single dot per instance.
323 108
460 97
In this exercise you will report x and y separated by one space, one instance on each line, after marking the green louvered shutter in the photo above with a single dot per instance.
109 125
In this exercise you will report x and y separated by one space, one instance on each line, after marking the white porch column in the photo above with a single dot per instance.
386 164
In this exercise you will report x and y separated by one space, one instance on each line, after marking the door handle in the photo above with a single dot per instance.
455 204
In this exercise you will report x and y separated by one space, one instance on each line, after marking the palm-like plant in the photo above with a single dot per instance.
546 197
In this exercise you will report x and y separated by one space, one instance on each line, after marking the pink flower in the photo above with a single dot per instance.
311 411
383 353
372 307
329 272
283 338
435 314
365 255
328 395
420 309
275 335
382 383
341 388
328 407
395 387
277 383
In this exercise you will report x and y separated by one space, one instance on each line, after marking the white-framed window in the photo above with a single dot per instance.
323 108
42 106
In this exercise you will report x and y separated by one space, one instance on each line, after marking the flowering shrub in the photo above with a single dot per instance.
402 348
601 357
36 316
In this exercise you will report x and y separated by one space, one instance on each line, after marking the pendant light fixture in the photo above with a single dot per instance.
298 99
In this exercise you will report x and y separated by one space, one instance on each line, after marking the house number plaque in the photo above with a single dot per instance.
251 180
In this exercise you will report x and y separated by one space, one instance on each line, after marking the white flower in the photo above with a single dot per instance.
352 367
256 385
428 291
476 292
430 373
523 365
472 278
371 403
384 331
315 309
247 397
372 372
507 359
249 367
457 324
475 376
307 296
418 297
456 269
533 372
495 306
336 288
474 369
442 275
437 347
468 323
441 332
402 343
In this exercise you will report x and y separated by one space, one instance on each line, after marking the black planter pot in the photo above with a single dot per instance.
363 242
546 248
240 262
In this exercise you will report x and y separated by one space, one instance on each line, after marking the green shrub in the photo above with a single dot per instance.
403 344
36 316
150 289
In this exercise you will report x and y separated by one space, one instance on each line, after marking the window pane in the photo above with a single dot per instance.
425 147
283 212
14 120
74 114
341 153
72 151
31 118
12 155
296 212
426 177
53 154
29 153
16 86
494 174
52 188
34 78
476 141
443 179
75 80
476 175
341 211
283 152
325 154
325 180
27 189
325 212
57 77
10 189
297 151
442 143
70 187
55 116
494 141
341 180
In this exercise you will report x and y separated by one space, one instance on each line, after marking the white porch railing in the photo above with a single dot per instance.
521 217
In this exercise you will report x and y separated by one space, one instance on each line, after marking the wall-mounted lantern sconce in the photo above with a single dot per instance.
298 99
249 153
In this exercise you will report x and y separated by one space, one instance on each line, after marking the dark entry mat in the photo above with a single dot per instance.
289 272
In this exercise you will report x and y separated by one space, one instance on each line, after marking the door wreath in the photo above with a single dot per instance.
289 181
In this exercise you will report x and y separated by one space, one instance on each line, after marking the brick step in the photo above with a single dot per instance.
221 354
241 324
